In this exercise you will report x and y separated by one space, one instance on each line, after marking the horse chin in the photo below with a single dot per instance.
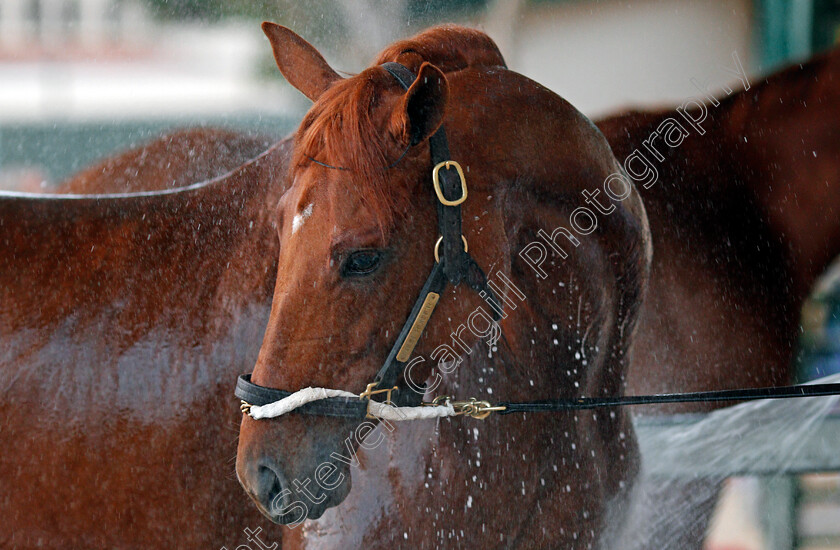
295 514
293 519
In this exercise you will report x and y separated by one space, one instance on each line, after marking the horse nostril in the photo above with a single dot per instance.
270 490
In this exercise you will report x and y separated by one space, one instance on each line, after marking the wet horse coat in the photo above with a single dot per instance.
125 319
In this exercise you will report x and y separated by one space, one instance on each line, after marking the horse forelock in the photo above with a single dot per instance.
340 131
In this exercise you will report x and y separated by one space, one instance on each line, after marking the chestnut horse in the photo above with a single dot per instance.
723 261
357 230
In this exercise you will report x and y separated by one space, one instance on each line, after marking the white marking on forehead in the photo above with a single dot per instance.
300 217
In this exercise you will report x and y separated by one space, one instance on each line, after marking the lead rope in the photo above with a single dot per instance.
444 406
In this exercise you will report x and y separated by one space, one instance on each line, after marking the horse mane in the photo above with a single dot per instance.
339 130
449 47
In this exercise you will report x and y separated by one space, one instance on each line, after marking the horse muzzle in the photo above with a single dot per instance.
292 482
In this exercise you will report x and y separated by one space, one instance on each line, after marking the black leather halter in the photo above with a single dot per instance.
454 265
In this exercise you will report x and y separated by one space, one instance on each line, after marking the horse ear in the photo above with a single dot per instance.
424 104
299 61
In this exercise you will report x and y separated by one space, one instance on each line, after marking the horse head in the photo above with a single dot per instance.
358 227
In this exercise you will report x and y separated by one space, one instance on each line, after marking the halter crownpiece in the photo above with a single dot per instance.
452 266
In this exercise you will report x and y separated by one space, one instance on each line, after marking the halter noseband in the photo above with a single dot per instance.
454 265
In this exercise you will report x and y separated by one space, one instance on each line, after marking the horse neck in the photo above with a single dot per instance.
564 451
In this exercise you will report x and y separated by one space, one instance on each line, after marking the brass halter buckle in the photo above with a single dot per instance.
436 182
472 407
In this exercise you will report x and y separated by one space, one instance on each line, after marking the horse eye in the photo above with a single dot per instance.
361 263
